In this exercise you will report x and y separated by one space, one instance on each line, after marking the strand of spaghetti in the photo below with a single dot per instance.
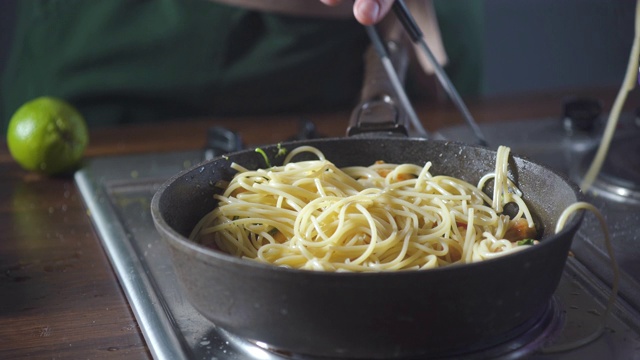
424 176
523 210
302 149
570 210
498 181
467 249
628 84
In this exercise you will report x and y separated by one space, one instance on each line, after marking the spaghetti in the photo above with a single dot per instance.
628 84
313 215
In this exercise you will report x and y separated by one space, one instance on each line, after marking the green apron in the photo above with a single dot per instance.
122 61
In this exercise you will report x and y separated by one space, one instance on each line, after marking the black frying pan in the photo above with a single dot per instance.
435 313
371 315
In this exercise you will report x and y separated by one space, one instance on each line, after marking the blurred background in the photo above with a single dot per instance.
546 44
500 47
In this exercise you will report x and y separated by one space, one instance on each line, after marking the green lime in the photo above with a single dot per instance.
47 135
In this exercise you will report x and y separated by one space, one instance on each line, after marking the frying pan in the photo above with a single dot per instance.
444 312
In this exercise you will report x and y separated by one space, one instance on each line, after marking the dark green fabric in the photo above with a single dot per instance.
123 61
462 27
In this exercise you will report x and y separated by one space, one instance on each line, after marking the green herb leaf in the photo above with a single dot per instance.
281 151
525 242
264 155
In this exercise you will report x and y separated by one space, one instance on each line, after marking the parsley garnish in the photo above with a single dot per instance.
281 151
525 242
264 155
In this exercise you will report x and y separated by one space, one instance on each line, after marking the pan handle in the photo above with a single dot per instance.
379 112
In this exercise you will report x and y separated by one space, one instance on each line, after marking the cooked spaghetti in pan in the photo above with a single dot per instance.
313 215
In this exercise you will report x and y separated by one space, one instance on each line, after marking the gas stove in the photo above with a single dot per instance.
577 324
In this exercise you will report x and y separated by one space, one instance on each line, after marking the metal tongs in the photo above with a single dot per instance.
415 34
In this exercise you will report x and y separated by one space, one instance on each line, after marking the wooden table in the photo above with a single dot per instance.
59 297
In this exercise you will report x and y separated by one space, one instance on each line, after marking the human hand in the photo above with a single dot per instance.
367 12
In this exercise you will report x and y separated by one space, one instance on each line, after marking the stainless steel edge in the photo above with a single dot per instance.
118 190
147 307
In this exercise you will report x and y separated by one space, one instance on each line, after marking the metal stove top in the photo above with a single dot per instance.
118 190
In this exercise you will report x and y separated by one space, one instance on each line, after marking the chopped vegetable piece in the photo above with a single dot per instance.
264 155
526 242
281 151
519 230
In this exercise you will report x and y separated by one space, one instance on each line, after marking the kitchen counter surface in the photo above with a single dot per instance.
59 296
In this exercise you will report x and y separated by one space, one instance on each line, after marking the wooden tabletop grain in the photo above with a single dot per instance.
59 296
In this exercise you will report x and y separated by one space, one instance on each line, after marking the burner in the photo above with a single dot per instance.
543 331
619 178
